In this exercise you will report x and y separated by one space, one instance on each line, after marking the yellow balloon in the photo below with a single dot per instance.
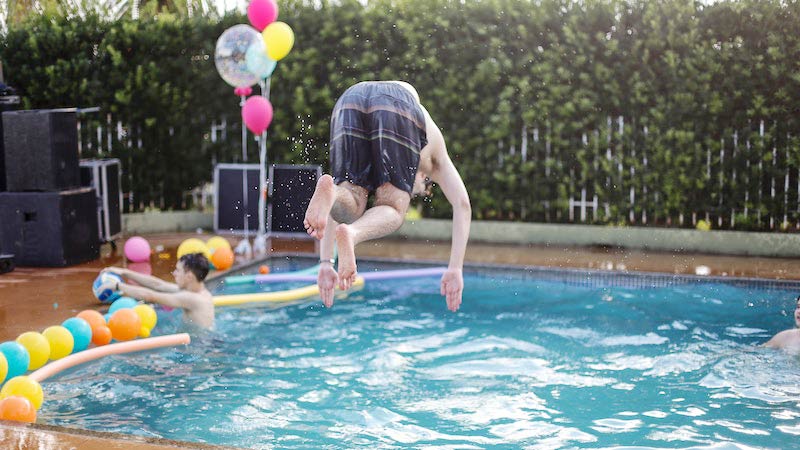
24 387
217 242
37 346
3 367
279 40
148 316
144 332
61 341
193 245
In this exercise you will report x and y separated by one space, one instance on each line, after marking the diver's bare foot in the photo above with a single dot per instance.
320 206
347 256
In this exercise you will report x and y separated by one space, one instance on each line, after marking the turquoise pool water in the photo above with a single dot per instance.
526 363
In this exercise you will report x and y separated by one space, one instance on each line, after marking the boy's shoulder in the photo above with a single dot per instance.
788 338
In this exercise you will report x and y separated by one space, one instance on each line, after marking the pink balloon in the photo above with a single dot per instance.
137 249
262 13
257 114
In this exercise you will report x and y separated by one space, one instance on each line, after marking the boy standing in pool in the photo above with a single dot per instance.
788 339
188 292
382 140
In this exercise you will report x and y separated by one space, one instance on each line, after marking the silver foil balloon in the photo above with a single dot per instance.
230 55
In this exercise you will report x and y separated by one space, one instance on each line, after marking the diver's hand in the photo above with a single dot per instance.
327 278
452 288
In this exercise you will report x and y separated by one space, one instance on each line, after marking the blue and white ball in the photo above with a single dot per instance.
106 295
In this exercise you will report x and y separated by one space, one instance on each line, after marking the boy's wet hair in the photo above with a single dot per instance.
196 263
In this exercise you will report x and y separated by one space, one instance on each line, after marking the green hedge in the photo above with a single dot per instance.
663 102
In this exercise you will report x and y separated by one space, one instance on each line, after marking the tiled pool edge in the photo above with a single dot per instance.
629 279
579 277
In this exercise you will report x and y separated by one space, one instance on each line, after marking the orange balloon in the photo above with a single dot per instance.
222 258
263 270
101 335
94 318
18 409
125 324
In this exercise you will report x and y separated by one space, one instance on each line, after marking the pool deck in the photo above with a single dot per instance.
46 437
35 298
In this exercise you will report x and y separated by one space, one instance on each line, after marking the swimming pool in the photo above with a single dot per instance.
534 358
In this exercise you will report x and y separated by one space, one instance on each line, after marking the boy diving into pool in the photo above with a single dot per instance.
188 292
788 339
382 140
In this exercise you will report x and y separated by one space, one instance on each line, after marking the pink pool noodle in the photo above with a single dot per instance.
111 349
368 276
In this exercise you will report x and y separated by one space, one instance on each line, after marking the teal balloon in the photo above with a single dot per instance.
122 303
257 61
17 358
81 333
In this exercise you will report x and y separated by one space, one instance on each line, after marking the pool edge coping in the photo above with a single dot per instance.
568 274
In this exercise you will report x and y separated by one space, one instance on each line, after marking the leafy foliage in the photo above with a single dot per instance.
663 110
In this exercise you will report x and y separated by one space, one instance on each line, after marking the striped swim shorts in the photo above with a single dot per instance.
377 133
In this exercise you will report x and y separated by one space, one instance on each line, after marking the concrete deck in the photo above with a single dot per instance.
44 437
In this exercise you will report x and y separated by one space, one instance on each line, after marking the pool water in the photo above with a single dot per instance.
526 363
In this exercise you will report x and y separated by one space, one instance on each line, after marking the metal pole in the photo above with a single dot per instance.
262 177
244 132
245 207
260 242
262 198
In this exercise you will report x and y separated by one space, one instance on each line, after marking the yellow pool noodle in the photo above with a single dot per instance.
273 297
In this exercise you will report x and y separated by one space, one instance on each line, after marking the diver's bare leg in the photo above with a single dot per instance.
345 202
382 219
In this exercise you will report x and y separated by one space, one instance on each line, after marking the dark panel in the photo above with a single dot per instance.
231 208
41 150
252 200
291 191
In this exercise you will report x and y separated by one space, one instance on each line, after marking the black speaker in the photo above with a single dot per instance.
2 160
50 228
41 148
8 102
290 190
